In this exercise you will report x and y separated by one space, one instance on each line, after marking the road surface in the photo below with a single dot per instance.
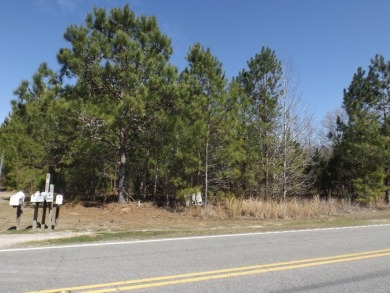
354 259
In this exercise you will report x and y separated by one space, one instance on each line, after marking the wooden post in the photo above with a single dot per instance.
51 208
50 215
36 207
44 207
19 213
43 222
47 186
57 215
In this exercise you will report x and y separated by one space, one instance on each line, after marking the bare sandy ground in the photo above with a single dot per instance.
8 241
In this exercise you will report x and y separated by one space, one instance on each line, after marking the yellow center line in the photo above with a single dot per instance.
223 273
237 274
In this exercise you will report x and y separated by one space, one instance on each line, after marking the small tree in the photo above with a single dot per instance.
296 135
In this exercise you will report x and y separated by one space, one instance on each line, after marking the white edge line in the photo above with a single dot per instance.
186 238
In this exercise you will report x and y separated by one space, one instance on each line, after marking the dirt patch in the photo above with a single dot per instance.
90 217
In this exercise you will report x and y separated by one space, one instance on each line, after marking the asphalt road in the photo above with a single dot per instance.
330 260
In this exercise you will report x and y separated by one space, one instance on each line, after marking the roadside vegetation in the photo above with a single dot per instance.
229 217
118 119
97 221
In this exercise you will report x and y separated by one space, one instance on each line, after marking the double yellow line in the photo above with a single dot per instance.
220 274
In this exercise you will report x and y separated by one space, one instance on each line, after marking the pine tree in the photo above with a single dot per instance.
379 78
359 157
120 62
262 85
31 132
207 100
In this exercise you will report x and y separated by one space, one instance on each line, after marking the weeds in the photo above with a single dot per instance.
270 209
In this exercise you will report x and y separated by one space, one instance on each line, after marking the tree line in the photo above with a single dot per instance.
358 166
120 118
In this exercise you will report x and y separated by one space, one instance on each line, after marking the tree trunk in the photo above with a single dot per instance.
122 168
285 128
265 163
206 166
1 163
155 186
388 187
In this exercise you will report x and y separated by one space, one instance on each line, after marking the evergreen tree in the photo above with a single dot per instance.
31 132
120 62
206 99
262 85
360 157
379 78
332 175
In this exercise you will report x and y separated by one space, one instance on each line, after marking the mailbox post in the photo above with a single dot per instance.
50 200
59 200
47 184
17 201
45 195
47 200
36 198
44 208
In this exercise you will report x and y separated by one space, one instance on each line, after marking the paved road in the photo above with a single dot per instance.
333 260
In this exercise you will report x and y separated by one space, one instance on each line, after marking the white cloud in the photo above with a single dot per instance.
67 4
43 5
50 6
174 31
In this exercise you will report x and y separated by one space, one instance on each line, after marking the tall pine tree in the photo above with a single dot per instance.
262 85
206 97
120 62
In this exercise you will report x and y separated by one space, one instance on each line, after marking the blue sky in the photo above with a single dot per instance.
325 40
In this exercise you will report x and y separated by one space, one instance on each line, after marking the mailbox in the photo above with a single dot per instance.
37 197
49 196
59 199
17 199
44 196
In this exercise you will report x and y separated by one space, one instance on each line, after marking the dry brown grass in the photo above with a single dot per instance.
260 209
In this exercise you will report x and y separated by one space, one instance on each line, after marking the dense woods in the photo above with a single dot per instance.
119 118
